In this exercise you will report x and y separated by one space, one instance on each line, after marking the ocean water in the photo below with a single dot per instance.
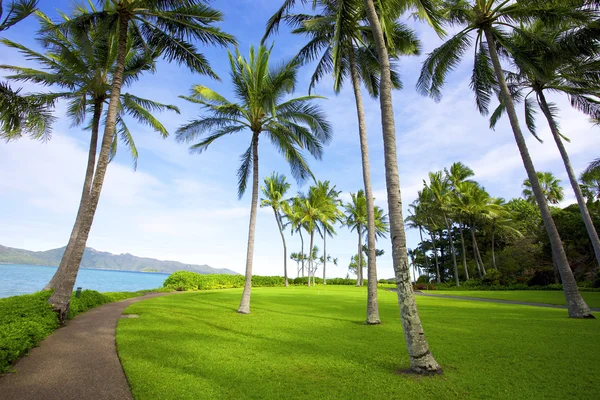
23 279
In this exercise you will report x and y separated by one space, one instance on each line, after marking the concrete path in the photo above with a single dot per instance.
522 303
78 361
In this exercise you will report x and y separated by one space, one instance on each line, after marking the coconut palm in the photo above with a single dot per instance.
330 218
488 20
341 43
457 174
590 184
163 27
82 66
440 190
274 189
29 114
565 62
550 186
291 125
416 220
293 213
501 222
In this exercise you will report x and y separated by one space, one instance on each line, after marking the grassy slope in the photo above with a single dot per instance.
312 343
533 296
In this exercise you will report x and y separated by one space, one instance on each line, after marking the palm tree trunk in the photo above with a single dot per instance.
577 307
324 255
359 270
478 254
245 302
85 195
310 255
475 251
372 306
493 248
301 249
435 255
279 225
421 359
452 251
585 214
424 252
464 252
63 289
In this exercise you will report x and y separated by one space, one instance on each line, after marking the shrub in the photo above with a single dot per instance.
492 277
423 279
423 286
597 280
543 277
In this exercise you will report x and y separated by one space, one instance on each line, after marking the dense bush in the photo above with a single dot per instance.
424 279
26 320
492 277
423 286
542 277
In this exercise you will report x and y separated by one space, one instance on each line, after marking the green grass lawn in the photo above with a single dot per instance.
303 343
532 296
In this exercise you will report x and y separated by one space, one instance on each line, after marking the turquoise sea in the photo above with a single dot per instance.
18 279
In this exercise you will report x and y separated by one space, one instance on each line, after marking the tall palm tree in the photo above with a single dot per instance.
421 359
293 213
562 60
29 114
550 186
489 20
82 66
457 174
274 190
291 125
501 222
441 192
332 216
342 43
164 27
590 184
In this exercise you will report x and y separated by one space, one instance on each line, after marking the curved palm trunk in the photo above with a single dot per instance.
279 225
372 306
438 277
85 195
421 359
359 269
577 307
585 214
494 247
478 254
63 289
301 249
310 256
464 252
324 255
424 252
475 251
245 302
454 265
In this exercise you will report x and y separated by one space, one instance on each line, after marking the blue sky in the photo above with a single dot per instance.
184 207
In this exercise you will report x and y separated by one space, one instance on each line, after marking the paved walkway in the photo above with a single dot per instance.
522 303
78 361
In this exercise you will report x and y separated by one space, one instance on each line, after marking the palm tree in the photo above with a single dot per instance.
501 223
82 65
293 213
550 186
291 125
163 27
28 114
274 190
457 174
440 191
490 19
557 60
343 45
331 217
590 184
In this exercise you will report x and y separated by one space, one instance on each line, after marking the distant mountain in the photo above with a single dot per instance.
103 260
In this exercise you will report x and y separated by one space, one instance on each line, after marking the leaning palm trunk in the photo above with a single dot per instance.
464 252
454 265
279 225
359 269
424 252
372 306
475 251
245 302
438 277
478 255
585 214
85 195
576 305
493 247
61 297
421 359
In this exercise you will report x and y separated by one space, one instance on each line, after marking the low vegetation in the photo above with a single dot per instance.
26 320
302 342
530 296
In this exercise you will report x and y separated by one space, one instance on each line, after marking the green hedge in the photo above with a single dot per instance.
26 320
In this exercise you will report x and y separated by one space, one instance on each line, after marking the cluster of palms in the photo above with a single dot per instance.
550 45
451 200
